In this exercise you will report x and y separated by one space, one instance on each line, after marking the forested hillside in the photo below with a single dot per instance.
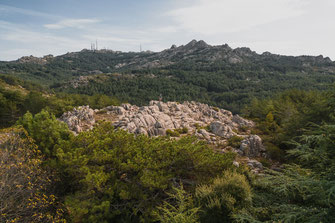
216 75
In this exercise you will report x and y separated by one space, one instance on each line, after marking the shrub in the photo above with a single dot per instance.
266 163
226 196
274 151
208 128
172 133
235 141
25 189
46 130
197 126
183 130
244 128
117 176
180 208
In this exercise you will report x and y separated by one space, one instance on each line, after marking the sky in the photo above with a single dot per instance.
288 27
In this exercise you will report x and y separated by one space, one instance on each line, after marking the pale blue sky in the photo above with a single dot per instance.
40 27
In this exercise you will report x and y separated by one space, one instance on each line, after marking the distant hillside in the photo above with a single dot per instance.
217 75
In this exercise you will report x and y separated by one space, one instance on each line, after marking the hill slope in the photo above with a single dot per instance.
217 75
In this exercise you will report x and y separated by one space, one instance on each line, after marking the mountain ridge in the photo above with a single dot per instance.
195 55
192 45
217 75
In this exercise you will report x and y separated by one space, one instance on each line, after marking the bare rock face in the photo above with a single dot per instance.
155 119
209 123
221 129
256 166
252 146
80 119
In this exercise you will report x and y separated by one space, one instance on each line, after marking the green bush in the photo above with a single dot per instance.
235 141
172 133
208 128
197 126
265 162
117 176
46 130
244 128
227 195
274 151
298 194
183 130
179 209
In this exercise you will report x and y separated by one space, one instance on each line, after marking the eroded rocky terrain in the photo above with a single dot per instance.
217 126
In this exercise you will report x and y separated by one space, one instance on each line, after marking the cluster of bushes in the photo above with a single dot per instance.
108 175
27 192
16 101
304 190
198 127
298 127
176 132
121 177
287 115
234 141
217 201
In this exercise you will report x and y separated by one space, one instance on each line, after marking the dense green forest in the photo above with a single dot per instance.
231 89
49 174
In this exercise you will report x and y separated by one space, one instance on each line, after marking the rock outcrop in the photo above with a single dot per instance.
155 119
252 146
79 119
209 123
37 60
222 129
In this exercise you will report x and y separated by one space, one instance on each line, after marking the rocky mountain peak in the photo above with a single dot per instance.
197 44
245 51
192 43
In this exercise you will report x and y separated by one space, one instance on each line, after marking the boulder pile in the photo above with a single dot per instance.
212 124
79 119
158 117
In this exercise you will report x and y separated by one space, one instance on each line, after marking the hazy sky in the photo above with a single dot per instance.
290 27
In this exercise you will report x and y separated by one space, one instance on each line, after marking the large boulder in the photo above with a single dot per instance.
220 129
79 119
252 146
204 134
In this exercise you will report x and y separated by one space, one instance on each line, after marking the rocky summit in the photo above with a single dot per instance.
216 126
